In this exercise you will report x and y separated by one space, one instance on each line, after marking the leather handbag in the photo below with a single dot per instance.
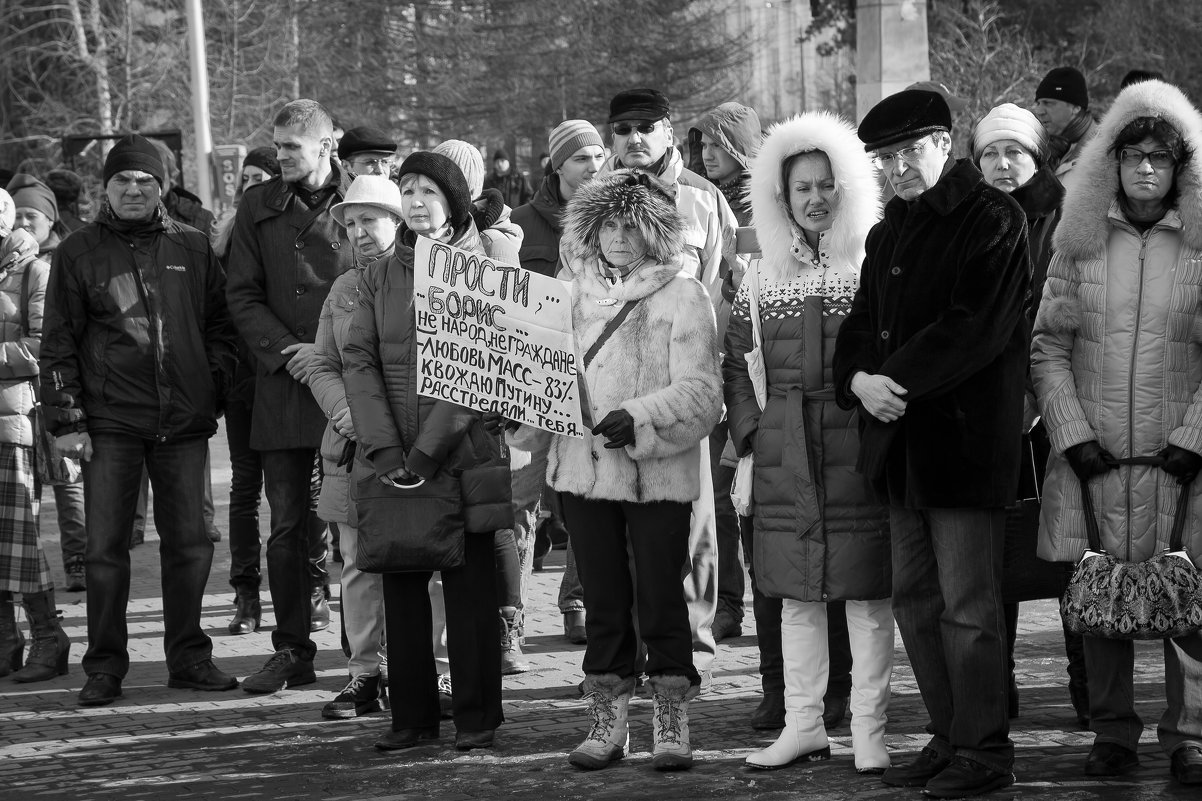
404 530
487 497
1152 600
740 489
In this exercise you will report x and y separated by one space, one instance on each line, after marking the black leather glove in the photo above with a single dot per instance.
1090 459
617 428
1183 465
494 423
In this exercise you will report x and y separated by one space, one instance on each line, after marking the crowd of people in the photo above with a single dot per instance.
906 367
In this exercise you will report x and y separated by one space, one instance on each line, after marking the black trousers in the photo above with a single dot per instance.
473 643
658 538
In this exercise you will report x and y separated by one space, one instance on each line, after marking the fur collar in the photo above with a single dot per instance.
1093 184
644 280
1041 195
859 197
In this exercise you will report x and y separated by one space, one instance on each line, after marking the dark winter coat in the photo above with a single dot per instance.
513 186
541 226
819 533
183 206
283 258
940 311
136 332
1040 200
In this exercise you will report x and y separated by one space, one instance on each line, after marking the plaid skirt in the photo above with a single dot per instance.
23 565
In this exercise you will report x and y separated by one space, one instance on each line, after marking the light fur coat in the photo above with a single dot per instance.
1117 348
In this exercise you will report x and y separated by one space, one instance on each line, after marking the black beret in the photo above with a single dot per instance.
365 139
906 115
263 158
638 104
449 178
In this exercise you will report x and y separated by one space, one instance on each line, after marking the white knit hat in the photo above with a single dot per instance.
369 190
8 213
469 161
1009 121
568 137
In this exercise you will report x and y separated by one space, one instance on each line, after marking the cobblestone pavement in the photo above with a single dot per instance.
157 743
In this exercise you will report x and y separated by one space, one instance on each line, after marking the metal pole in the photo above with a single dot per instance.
200 101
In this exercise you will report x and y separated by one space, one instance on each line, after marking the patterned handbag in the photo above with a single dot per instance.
1157 599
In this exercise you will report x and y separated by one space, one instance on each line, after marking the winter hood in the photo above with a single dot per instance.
1093 185
859 206
735 127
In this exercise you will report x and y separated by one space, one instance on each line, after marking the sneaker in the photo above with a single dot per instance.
964 778
1110 759
445 706
77 574
725 626
283 669
202 676
363 695
926 766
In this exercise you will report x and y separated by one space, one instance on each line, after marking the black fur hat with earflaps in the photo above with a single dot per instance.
642 198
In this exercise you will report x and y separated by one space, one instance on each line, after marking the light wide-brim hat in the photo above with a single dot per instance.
369 190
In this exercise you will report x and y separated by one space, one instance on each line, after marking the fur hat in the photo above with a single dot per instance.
30 193
470 162
263 158
622 193
568 137
449 178
369 190
365 139
908 114
639 104
1008 121
1064 83
134 152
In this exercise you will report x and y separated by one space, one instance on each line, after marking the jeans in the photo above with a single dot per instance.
111 479
362 608
947 590
246 485
527 485
701 571
1110 665
571 594
730 569
288 478
606 535
509 569
69 503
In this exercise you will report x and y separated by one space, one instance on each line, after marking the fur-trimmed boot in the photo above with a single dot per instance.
12 641
670 749
870 631
608 698
50 650
806 664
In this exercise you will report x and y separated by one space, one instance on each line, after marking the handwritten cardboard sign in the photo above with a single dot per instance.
494 337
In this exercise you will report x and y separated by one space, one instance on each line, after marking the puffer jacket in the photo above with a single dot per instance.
500 235
820 535
541 227
136 332
1117 349
23 278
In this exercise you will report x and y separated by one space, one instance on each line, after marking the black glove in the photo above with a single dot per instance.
494 423
1180 463
1089 459
617 428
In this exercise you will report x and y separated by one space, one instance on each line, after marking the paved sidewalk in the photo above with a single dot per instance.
157 743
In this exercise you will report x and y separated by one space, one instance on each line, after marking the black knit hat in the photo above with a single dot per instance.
908 114
134 152
500 153
638 104
1064 83
365 139
449 178
263 158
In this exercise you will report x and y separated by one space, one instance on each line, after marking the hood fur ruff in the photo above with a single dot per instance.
859 205
615 195
1093 185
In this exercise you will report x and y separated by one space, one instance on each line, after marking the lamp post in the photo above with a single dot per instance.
200 101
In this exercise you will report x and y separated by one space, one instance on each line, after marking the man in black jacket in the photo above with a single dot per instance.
934 353
137 348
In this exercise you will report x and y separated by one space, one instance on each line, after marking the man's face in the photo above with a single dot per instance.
641 143
915 165
1054 114
371 162
501 166
720 165
581 166
35 222
300 153
133 194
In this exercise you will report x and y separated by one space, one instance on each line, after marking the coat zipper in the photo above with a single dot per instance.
1139 309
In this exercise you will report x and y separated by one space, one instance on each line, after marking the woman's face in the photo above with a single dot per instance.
35 222
1007 165
423 205
1147 171
252 175
811 192
371 229
622 242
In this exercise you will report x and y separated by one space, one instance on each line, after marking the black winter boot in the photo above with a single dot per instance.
248 612
50 650
12 641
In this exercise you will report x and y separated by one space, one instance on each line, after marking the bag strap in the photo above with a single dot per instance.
35 380
753 304
608 331
1177 537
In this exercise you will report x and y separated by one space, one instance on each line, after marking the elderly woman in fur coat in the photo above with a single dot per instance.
1117 366
651 393
819 536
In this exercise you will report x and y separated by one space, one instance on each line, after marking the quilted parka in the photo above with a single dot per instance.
23 278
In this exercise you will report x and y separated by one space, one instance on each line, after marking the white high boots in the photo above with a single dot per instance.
807 663
870 630
608 698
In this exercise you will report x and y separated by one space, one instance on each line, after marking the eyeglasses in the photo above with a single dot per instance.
625 128
1159 159
366 163
910 155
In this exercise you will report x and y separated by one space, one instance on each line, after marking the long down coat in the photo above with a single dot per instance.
819 533
1117 348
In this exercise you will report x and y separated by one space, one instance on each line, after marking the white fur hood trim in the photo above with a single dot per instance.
1094 182
859 195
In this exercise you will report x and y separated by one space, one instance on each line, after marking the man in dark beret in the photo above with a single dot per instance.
933 355
367 151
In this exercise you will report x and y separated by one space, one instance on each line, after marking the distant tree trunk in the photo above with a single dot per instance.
96 61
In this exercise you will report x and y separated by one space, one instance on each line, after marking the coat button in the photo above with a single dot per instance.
300 245
300 289
264 342
300 331
896 271
884 335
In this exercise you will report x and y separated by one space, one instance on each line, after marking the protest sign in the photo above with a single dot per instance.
494 337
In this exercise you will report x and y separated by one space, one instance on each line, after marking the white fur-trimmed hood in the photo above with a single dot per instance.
859 195
1093 184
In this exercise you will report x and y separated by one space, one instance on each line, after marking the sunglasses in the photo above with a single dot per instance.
625 128
1159 159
